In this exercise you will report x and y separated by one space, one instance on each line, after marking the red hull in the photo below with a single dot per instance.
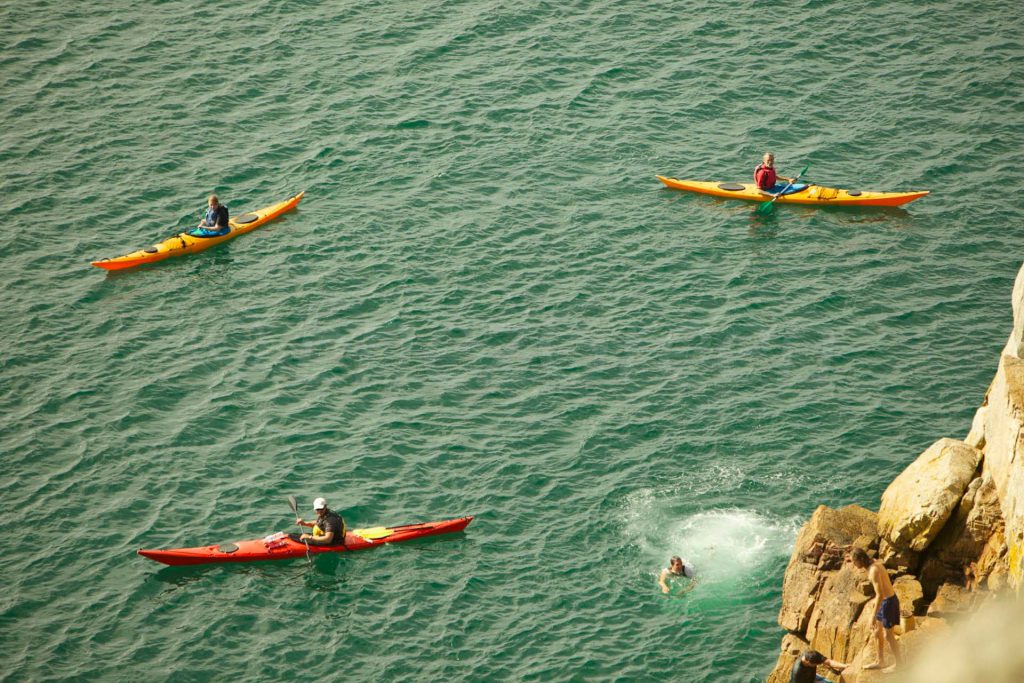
257 550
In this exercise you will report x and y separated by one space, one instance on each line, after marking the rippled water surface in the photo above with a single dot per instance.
486 305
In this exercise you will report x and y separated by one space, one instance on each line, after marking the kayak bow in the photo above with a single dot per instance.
183 243
812 194
286 548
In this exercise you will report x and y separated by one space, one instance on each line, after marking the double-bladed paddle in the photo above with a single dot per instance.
295 509
765 207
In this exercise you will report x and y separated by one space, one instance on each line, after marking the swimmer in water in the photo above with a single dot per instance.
676 568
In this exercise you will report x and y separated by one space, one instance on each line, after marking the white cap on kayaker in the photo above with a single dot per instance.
319 504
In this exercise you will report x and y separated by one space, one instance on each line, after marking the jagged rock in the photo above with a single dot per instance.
976 437
866 542
900 560
1004 453
951 600
839 605
998 580
828 534
969 530
911 595
993 560
918 502
1015 344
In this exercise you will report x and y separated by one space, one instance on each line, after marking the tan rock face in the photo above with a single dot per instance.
911 595
1004 454
1015 345
976 437
900 560
976 523
830 627
951 600
820 546
920 500
822 597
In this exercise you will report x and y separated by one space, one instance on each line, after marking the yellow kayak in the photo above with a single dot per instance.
812 194
184 243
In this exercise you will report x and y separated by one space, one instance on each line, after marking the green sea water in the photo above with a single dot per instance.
486 305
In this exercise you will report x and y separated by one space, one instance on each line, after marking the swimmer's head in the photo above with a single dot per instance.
813 657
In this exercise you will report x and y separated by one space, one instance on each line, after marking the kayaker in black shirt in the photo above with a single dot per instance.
328 529
805 669
215 222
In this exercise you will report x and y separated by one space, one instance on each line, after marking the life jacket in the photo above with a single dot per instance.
339 528
765 177
213 213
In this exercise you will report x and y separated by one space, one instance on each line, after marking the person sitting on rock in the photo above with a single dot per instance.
805 668
886 607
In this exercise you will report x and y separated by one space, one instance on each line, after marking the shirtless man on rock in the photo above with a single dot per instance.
886 607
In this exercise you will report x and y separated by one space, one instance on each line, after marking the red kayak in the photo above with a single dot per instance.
282 547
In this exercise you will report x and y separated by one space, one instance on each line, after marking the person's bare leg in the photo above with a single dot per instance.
897 655
880 642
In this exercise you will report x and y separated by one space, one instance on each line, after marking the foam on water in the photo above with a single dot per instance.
728 547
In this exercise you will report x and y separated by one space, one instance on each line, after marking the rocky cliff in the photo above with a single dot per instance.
950 530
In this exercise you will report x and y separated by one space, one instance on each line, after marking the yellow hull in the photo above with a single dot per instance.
183 243
813 194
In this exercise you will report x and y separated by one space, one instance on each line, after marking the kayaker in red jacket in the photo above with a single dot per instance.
765 175
329 528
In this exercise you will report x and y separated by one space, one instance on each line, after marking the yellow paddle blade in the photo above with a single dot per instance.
373 533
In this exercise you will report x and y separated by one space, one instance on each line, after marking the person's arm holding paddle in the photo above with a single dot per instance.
329 528
765 207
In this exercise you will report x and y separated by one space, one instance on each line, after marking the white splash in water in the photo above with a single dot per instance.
724 545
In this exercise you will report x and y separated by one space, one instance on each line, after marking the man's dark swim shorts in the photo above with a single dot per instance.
889 612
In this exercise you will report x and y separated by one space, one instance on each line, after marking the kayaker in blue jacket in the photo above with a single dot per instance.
328 529
215 223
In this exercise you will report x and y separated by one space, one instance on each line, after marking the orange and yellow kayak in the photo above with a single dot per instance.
183 243
812 194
